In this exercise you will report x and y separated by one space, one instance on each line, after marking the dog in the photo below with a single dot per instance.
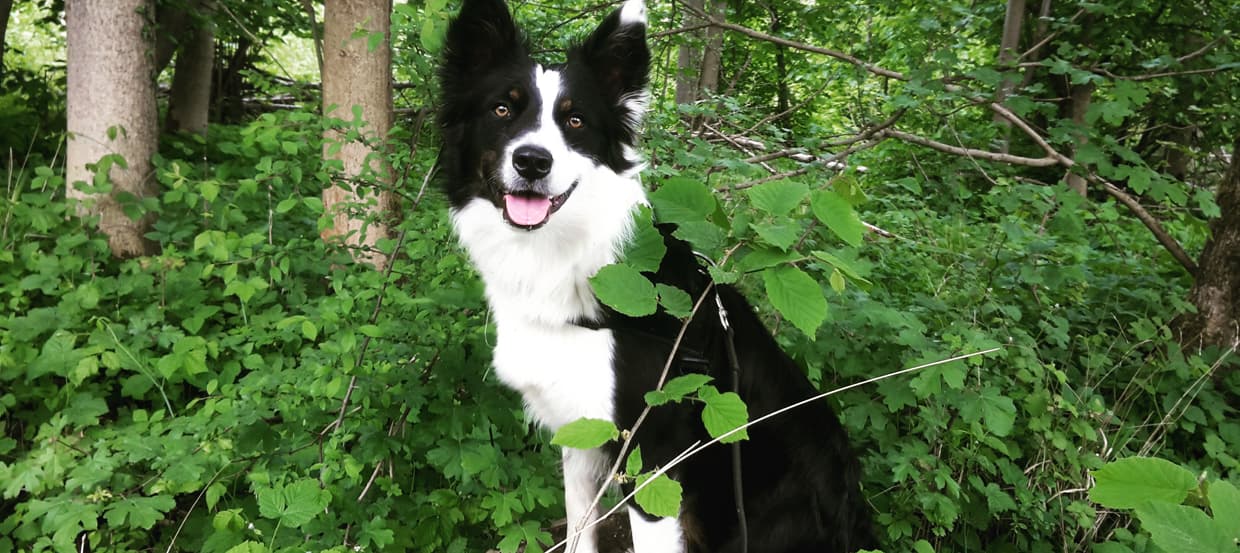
540 167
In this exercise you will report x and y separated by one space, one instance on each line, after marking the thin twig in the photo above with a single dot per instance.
696 448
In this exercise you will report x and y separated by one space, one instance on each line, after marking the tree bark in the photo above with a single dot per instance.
1216 290
189 103
1079 98
1013 20
111 111
712 56
6 6
358 79
688 71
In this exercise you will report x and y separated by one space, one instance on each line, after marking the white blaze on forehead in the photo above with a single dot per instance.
633 12
567 165
547 82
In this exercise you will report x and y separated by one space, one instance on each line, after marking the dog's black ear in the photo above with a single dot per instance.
617 53
481 37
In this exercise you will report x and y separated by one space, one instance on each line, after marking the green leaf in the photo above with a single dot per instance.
248 547
723 413
676 389
837 281
797 296
645 251
782 233
704 235
293 505
779 197
633 464
661 497
835 212
1131 482
1225 506
762 257
625 290
141 512
287 204
682 200
674 300
585 434
1183 529
843 266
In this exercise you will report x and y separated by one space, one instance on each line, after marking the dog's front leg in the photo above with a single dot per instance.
583 471
661 535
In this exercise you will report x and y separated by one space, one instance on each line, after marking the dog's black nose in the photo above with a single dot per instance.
531 162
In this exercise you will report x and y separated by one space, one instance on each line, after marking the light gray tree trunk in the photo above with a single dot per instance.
111 111
1013 20
357 78
688 58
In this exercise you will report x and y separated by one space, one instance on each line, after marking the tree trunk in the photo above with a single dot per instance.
6 6
687 57
358 80
1079 98
1013 20
111 110
189 103
712 56
783 96
1216 290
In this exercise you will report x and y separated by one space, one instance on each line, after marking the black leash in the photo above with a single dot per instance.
738 488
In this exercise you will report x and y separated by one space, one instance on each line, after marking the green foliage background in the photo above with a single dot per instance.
251 389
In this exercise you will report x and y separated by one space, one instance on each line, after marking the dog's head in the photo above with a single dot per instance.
526 137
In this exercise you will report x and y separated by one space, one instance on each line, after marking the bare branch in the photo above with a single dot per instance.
971 152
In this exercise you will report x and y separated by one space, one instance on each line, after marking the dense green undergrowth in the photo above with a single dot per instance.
250 389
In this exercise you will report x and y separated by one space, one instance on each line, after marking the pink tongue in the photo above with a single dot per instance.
526 210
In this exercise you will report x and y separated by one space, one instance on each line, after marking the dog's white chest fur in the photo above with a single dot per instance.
537 285
564 373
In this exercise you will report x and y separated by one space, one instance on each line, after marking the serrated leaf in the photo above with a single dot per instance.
1183 529
705 236
645 251
843 266
762 257
661 497
141 512
682 200
677 388
723 413
1225 506
779 197
585 434
1131 482
834 211
837 281
303 501
624 289
797 296
782 233
633 464
675 301
293 505
248 547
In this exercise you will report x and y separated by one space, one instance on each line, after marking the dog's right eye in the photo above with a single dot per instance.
502 111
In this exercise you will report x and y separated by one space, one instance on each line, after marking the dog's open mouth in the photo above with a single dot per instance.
529 210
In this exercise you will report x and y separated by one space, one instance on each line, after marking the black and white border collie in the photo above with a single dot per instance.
541 170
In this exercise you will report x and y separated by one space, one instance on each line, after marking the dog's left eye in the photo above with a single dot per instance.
501 110
576 122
